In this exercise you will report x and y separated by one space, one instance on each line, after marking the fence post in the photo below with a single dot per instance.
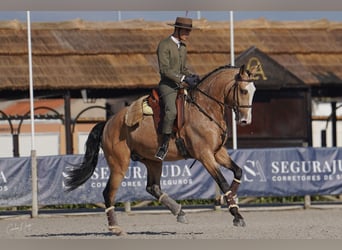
307 201
127 207
34 179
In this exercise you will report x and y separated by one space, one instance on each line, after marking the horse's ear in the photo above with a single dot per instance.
242 70
254 69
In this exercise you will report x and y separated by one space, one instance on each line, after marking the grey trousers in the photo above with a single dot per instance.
169 96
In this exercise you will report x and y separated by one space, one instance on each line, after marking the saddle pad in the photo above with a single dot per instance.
147 110
134 112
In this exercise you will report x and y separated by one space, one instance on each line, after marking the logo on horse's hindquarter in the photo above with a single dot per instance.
252 170
254 61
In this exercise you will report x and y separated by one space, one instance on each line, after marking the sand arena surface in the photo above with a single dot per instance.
298 223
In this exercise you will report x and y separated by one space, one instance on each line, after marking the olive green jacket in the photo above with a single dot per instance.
172 62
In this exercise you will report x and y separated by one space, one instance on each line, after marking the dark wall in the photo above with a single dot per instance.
280 118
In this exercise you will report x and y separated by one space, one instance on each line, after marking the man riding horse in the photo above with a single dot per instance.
204 131
174 74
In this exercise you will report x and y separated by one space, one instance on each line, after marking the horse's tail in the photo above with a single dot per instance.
79 174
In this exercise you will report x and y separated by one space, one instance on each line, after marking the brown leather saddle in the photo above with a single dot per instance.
154 100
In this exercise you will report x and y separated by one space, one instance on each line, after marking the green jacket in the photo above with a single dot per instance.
172 62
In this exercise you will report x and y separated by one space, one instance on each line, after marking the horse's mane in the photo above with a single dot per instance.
228 66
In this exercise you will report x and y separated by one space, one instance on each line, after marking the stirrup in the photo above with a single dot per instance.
162 151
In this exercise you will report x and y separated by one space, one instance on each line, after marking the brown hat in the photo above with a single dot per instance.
183 22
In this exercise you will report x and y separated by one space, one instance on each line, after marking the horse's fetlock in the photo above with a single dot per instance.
181 213
174 207
229 196
149 189
111 216
154 190
233 209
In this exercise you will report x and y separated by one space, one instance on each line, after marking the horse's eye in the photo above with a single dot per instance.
244 91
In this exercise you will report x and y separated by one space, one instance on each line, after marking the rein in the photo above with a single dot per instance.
224 131
204 112
236 105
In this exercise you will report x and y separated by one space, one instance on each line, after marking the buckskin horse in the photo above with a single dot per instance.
204 134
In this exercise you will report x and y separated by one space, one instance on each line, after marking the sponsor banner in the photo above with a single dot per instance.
266 172
290 171
15 181
177 179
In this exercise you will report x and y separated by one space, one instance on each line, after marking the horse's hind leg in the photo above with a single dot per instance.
154 170
109 197
224 159
118 163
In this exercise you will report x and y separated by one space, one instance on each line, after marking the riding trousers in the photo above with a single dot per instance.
169 95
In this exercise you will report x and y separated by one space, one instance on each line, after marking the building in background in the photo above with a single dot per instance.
77 62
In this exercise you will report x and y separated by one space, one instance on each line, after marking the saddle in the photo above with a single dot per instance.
152 105
154 101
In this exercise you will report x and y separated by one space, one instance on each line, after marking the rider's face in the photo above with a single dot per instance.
184 34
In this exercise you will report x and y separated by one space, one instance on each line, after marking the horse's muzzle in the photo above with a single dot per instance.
243 122
243 118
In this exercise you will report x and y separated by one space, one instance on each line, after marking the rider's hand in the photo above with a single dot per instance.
192 80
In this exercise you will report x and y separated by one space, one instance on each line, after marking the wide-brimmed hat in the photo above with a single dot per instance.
183 22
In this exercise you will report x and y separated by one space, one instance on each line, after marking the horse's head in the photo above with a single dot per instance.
241 95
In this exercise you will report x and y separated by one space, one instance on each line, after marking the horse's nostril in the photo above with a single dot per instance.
243 122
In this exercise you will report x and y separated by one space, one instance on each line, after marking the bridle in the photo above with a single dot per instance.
236 103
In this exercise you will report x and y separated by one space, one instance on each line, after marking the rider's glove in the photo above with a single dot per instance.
192 80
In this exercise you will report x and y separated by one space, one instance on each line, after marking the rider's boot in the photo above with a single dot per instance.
162 150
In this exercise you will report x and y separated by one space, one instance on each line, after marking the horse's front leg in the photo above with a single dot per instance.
230 195
154 170
224 160
229 191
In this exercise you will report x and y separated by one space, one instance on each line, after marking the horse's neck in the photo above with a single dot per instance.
215 87
210 99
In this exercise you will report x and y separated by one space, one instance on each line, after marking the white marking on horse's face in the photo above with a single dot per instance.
251 90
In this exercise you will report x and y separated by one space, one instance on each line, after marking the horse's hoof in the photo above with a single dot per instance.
239 222
116 230
181 218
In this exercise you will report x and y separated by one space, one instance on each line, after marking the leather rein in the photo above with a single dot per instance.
236 104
